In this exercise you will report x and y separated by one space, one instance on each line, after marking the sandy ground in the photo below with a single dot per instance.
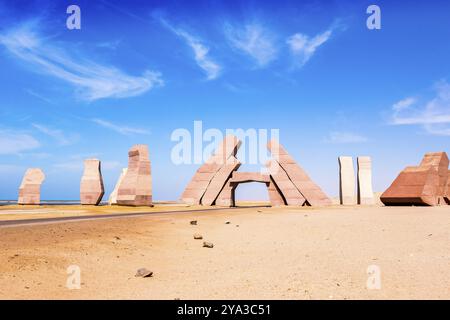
263 253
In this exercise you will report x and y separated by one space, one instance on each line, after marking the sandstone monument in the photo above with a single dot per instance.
447 192
215 182
205 174
136 186
91 186
113 196
346 181
365 191
421 185
30 188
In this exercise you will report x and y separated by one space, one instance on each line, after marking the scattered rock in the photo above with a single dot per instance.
117 238
143 273
208 244
194 222
259 210
237 226
227 222
198 236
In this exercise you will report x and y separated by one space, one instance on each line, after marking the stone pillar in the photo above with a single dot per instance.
346 181
136 186
91 186
30 188
365 191
113 196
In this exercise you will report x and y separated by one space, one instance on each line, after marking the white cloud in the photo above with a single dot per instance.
120 128
56 134
201 52
12 142
345 137
92 80
303 47
433 115
253 40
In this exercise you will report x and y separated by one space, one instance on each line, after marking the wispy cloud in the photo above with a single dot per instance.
201 51
303 47
254 40
125 130
433 114
92 80
12 142
56 134
39 96
345 137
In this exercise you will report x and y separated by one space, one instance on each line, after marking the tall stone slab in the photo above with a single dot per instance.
292 196
347 187
218 181
420 185
226 197
201 180
30 188
310 191
365 190
113 196
136 186
275 196
91 185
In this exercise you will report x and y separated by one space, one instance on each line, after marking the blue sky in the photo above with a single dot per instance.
137 71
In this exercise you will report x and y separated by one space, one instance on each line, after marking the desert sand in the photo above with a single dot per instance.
262 253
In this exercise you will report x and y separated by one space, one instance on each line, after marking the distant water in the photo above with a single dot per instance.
47 202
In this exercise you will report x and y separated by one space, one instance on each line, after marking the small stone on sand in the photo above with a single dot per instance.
208 245
143 273
198 236
194 222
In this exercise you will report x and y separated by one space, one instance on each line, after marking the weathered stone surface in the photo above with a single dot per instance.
136 186
218 181
447 192
91 185
291 195
30 188
365 191
200 181
143 273
198 236
208 244
421 185
309 190
275 196
244 177
113 196
346 181
226 197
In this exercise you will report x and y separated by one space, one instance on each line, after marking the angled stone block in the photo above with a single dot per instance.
30 188
365 190
310 191
91 185
275 196
447 191
226 196
200 181
421 185
292 196
218 181
113 196
136 186
346 181
244 177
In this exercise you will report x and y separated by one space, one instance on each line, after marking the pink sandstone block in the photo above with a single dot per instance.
200 181
30 188
290 193
136 187
310 191
91 185
243 177
226 196
218 181
275 196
